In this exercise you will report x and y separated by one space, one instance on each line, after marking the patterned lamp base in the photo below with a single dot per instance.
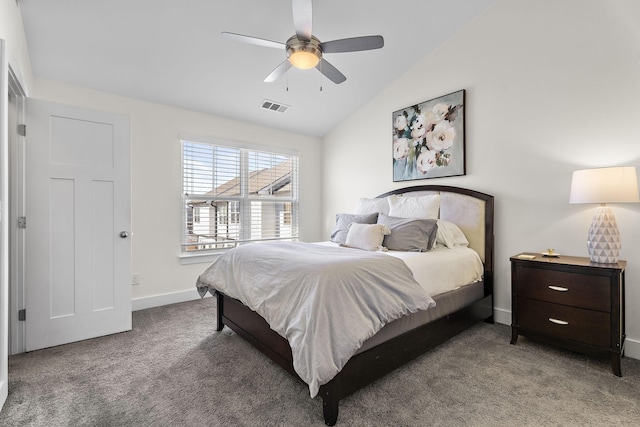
604 241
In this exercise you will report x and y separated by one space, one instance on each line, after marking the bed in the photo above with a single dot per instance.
401 340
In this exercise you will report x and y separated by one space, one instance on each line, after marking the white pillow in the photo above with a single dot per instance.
369 206
420 207
450 235
367 236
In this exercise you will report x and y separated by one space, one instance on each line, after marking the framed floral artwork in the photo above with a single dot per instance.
428 139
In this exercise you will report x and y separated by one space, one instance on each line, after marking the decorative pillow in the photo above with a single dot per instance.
369 206
450 235
422 207
409 234
367 236
343 221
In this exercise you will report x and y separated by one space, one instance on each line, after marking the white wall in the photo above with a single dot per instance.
552 86
156 180
12 31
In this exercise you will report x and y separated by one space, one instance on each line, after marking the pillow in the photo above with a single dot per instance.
422 207
409 234
369 206
343 221
450 235
366 236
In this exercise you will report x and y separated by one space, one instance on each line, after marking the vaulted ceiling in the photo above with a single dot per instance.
171 52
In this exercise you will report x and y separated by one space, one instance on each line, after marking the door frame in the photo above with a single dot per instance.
4 226
17 343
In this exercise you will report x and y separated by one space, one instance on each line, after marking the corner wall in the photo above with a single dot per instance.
12 31
552 87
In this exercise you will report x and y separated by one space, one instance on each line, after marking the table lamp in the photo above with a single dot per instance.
604 185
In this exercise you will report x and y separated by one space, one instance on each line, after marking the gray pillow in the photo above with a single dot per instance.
409 234
339 235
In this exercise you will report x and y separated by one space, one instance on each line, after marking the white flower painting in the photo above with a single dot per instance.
428 139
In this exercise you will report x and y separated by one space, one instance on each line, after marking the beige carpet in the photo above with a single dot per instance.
172 369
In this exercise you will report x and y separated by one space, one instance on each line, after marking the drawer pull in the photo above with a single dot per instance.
558 322
558 288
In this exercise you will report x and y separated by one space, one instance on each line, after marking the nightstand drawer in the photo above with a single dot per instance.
579 290
576 324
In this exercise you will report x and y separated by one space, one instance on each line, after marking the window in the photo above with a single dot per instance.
236 195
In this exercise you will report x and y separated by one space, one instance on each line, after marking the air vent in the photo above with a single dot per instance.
274 106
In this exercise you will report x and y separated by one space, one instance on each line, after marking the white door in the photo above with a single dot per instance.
78 220
4 230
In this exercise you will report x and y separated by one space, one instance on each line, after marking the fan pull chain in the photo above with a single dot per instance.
321 74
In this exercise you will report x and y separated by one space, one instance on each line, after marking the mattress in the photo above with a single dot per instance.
446 303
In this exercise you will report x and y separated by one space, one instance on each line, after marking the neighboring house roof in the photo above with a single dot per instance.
273 180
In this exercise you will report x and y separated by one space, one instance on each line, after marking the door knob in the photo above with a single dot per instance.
124 234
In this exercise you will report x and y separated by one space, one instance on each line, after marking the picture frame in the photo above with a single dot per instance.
429 140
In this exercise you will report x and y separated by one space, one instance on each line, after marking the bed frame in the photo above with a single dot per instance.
457 205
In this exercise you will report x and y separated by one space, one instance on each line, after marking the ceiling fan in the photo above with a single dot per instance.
304 51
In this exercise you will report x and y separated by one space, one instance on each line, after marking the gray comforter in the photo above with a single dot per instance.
325 301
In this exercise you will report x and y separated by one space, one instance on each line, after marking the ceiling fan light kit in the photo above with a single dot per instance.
304 51
304 54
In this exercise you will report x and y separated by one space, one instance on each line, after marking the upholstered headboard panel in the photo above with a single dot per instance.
468 213
470 210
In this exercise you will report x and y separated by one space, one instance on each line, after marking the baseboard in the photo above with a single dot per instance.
500 315
164 299
632 348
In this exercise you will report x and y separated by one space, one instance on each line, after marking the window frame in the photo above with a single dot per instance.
243 214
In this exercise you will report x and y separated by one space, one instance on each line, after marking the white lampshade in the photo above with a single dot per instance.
605 185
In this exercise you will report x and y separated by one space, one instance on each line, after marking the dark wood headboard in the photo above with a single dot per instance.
471 210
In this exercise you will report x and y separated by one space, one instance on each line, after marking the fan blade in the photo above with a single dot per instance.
353 44
302 18
253 40
280 70
330 71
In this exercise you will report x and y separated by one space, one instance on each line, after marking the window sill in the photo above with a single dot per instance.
199 258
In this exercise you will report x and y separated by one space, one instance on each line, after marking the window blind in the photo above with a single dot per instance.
235 195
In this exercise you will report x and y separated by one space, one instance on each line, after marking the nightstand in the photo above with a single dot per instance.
570 302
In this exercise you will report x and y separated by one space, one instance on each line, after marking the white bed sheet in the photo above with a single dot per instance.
441 269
